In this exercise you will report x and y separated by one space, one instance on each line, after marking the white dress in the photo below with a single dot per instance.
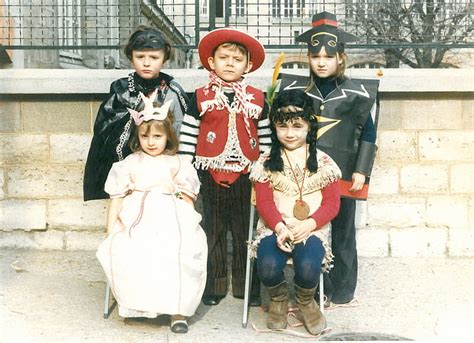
155 258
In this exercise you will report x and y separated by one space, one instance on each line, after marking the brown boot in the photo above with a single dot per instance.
313 319
278 308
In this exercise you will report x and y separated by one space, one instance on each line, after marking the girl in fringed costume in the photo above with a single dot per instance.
347 113
297 196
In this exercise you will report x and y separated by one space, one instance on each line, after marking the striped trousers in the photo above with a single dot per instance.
225 209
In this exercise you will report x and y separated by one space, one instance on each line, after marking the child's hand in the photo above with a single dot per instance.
303 229
283 235
358 181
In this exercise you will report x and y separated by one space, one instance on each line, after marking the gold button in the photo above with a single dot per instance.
321 107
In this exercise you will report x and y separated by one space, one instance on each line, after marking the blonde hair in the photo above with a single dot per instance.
166 125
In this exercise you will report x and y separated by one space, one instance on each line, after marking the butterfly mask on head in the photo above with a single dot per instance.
150 112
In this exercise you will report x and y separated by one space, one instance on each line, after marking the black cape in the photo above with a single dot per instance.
113 126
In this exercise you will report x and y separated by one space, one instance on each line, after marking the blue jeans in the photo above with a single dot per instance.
307 259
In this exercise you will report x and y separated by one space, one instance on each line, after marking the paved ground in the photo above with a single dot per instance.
51 296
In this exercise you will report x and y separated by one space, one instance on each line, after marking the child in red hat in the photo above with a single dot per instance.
225 130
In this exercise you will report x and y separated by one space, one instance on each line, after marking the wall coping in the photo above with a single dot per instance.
96 81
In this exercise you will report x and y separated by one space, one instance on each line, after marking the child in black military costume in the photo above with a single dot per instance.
148 51
347 117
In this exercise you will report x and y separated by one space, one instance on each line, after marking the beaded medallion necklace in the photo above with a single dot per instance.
301 207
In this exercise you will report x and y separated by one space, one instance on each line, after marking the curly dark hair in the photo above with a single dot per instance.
299 99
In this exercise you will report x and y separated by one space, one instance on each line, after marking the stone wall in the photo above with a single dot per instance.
421 196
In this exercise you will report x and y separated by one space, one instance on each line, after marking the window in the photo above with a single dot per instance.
204 8
276 8
69 25
239 8
349 9
288 8
294 65
367 65
220 4
300 4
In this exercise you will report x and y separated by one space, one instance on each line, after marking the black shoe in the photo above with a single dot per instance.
179 325
255 301
211 300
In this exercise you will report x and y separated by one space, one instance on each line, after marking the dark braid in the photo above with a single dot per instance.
275 161
296 98
311 139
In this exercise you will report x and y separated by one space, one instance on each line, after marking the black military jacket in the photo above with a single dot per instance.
341 117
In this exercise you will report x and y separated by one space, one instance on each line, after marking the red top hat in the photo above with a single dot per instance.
213 39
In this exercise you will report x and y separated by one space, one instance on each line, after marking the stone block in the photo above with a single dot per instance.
384 180
24 149
446 146
69 148
83 240
418 242
2 183
395 211
390 115
396 146
461 243
470 210
432 112
416 178
468 114
462 178
56 116
23 215
76 214
372 243
49 240
45 181
10 116
447 211
94 109
361 214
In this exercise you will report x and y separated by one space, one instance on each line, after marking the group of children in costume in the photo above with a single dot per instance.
153 151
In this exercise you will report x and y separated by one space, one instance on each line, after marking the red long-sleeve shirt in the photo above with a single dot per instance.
268 211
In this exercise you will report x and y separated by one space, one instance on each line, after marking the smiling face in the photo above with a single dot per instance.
147 63
152 139
292 133
324 65
229 63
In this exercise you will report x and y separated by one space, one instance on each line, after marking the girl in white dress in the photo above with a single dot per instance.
155 254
